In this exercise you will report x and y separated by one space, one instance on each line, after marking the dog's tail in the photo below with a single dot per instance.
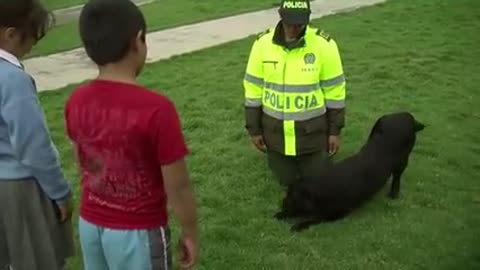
418 126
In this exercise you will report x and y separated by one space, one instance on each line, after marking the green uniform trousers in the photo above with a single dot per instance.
291 169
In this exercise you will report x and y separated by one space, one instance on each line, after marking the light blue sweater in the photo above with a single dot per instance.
26 149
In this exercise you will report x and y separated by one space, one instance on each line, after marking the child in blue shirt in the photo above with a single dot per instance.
35 198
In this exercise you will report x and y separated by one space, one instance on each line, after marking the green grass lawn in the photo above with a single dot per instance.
159 15
421 56
58 4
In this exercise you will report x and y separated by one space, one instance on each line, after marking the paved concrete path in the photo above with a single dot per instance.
66 15
61 69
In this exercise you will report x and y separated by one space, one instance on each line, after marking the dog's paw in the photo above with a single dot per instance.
393 195
280 215
299 227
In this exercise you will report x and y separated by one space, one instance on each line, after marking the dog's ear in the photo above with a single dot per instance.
417 126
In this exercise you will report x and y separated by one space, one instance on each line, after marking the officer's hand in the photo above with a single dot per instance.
333 144
259 143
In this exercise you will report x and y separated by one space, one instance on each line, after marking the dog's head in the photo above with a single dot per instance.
397 129
297 200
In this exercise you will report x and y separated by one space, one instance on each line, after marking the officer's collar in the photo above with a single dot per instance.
279 37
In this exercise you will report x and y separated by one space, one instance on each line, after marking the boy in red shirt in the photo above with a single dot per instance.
130 149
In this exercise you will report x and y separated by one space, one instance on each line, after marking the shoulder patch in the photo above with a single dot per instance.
323 34
263 33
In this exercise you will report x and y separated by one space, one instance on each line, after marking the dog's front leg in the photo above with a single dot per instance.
282 215
305 224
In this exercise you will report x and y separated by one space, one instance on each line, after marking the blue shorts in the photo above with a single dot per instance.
107 249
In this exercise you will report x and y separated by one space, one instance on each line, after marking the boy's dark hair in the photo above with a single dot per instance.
28 16
108 28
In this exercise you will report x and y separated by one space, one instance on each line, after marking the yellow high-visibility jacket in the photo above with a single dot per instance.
302 87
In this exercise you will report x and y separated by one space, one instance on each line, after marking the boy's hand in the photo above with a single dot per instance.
188 247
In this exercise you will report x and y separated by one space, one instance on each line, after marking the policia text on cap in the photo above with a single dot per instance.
295 95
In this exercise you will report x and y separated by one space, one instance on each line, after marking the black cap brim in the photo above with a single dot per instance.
295 17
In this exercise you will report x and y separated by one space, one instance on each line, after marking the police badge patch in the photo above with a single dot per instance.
309 58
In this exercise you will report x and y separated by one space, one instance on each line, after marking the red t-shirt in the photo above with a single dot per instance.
123 133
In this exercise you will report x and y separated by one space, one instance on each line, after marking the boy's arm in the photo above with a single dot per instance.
171 151
29 136
75 153
181 196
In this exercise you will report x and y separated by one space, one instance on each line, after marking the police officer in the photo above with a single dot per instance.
295 95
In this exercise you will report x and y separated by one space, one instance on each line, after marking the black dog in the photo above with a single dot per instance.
351 182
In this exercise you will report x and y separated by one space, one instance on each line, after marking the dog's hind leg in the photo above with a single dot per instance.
397 174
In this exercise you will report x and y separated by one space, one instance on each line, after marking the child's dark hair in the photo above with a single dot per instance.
108 28
27 16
